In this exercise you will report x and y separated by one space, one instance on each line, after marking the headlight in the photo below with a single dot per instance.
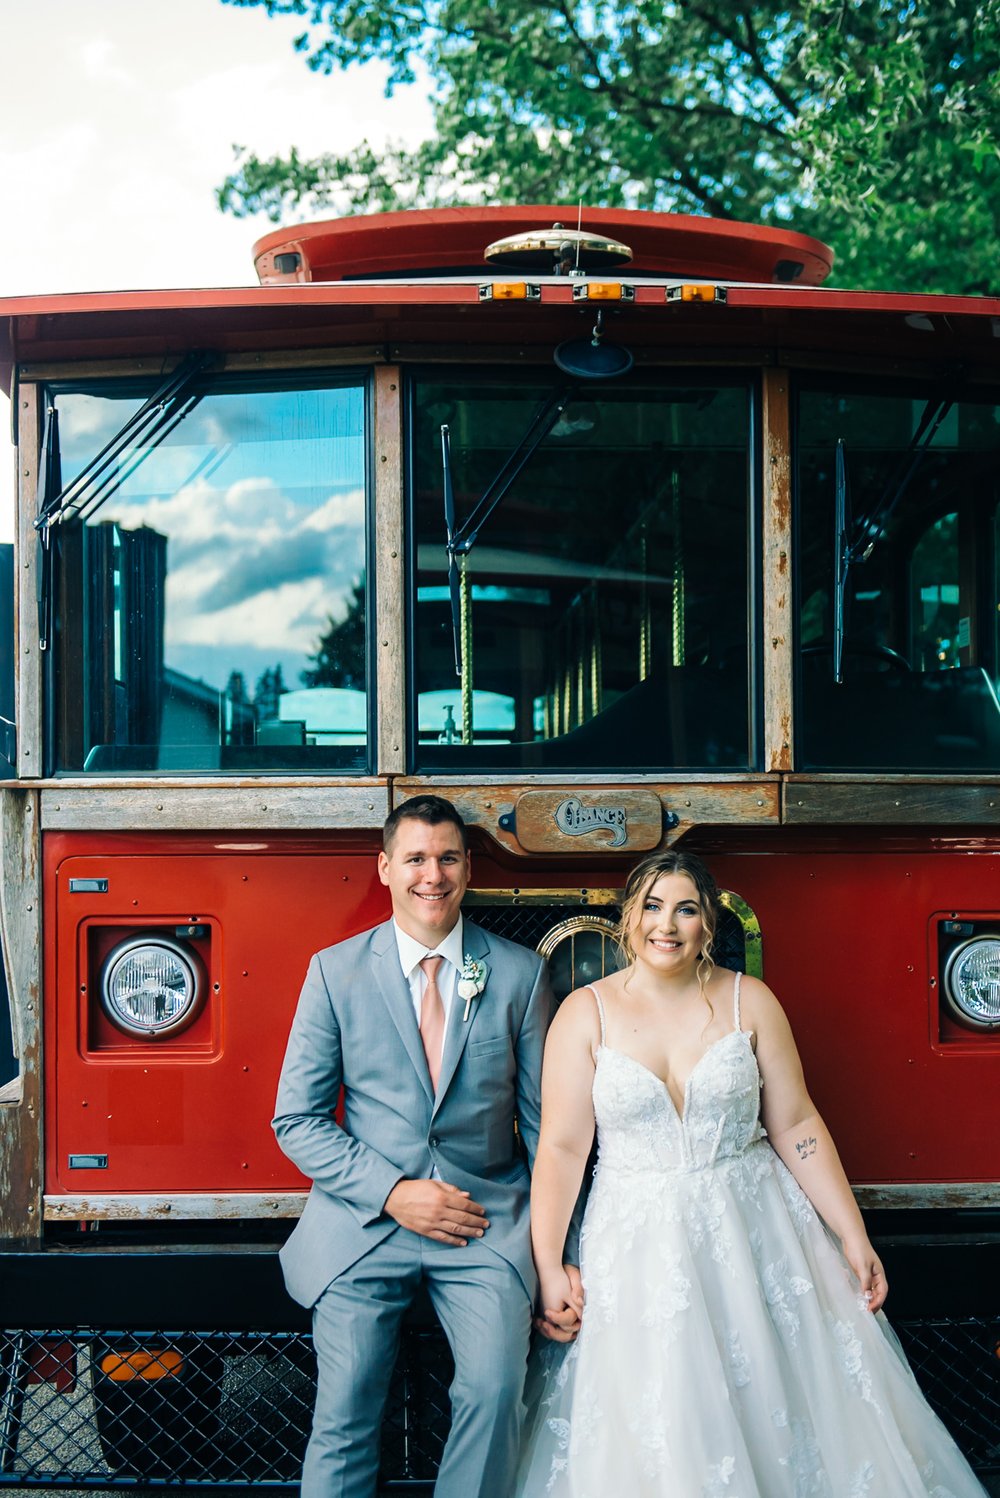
151 986
972 982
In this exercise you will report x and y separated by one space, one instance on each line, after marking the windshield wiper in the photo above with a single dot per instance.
155 419
855 543
460 541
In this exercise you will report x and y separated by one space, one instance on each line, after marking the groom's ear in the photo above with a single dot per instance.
383 868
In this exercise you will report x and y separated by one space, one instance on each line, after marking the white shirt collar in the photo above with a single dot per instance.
411 952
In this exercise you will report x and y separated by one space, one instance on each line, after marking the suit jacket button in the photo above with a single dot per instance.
434 1141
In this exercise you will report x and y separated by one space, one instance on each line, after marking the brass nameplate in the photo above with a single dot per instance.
602 821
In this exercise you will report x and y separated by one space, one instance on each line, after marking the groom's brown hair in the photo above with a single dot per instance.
431 809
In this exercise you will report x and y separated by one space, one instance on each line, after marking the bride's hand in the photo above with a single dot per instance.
867 1266
561 1300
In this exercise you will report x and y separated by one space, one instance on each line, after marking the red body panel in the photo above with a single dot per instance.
849 940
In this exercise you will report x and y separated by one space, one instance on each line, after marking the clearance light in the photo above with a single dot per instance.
692 291
603 291
509 291
972 982
151 986
156 1363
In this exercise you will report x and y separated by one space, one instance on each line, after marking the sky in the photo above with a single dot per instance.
117 121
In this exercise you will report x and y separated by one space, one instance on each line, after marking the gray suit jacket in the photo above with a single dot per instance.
355 1029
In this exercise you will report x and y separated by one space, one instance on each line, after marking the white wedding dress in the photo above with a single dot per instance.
726 1350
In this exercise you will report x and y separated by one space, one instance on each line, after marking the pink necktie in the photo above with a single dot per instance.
432 1018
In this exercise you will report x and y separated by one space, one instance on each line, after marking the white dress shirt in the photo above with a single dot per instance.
411 954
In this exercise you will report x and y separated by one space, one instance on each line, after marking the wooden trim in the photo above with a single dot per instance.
679 780
390 655
20 936
875 367
229 1207
194 808
27 663
669 355
916 803
339 356
777 571
707 804
929 1194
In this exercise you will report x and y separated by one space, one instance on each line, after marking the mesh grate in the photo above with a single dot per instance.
213 1408
957 1364
104 1409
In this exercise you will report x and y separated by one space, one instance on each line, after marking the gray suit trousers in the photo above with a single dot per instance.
484 1309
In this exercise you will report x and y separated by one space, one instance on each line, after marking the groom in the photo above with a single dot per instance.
435 1033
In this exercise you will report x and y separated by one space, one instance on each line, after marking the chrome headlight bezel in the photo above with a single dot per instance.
960 1006
181 979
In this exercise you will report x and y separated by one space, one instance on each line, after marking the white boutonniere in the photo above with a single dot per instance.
471 982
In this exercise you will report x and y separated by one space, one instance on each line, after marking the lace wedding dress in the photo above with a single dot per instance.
726 1351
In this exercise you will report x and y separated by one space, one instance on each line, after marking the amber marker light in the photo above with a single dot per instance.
603 291
121 1367
696 291
509 291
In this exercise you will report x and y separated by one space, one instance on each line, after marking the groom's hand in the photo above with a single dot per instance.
561 1322
436 1210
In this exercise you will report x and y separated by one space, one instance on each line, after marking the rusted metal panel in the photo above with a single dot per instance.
20 931
390 663
777 574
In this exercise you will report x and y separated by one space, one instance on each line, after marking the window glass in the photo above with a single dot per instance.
211 599
919 661
604 607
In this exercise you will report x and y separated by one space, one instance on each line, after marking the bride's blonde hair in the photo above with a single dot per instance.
637 887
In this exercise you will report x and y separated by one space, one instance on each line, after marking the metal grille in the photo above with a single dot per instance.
527 924
235 1409
957 1364
110 1409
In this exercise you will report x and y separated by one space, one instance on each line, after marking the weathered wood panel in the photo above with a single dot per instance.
231 1207
390 660
238 808
890 802
930 1194
20 935
695 803
598 821
27 661
777 572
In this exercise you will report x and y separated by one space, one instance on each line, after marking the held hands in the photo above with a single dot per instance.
436 1210
561 1298
867 1267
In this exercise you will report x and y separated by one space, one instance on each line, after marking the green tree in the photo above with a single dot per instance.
901 133
270 686
872 123
341 655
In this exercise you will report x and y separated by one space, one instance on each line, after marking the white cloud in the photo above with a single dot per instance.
117 120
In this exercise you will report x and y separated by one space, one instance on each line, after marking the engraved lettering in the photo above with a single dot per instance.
575 819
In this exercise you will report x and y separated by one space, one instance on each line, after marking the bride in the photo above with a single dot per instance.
731 1345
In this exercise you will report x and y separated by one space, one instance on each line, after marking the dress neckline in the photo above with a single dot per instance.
681 1112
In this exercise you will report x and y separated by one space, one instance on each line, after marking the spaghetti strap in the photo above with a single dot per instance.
736 1002
600 1011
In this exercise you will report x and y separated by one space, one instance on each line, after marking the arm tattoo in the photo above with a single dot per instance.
805 1147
